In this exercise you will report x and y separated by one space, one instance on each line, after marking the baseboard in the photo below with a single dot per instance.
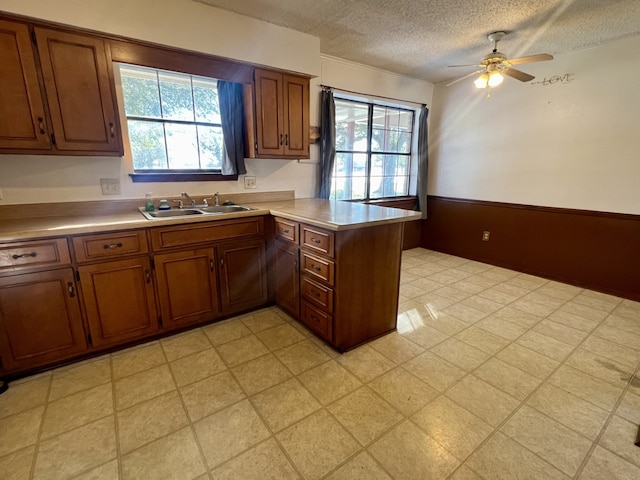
595 250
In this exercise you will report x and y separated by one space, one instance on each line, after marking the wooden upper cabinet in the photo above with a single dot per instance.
22 114
281 116
77 76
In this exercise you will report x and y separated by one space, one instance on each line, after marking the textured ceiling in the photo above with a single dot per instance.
419 38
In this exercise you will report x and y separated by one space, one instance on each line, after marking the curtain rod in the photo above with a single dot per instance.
371 95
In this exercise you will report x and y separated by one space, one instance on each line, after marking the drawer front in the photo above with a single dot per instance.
318 240
317 294
33 254
105 245
287 230
319 268
317 320
208 232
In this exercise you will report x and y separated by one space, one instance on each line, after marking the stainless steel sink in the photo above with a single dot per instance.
188 212
225 209
171 213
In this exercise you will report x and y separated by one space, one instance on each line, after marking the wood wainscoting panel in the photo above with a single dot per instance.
595 250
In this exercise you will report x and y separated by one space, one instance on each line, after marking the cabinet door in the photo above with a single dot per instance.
287 277
296 116
22 117
77 71
243 275
269 114
187 287
40 321
119 300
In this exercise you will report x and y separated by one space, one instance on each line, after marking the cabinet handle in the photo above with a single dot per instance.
315 267
280 139
286 230
147 275
24 255
111 246
41 125
286 139
315 319
72 291
315 240
112 129
315 293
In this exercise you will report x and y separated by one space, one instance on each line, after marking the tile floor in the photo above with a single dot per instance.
491 374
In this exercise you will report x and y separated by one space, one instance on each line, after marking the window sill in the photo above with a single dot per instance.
181 177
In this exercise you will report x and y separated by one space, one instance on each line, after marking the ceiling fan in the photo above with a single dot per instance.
496 64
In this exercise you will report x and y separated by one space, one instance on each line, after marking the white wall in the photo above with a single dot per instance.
571 144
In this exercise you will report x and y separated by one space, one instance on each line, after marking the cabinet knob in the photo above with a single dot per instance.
286 139
315 240
315 267
112 129
41 125
111 246
281 139
71 289
147 275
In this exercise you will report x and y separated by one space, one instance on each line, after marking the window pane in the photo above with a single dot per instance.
405 122
147 145
358 187
341 188
396 186
205 96
390 164
377 165
182 146
342 164
351 125
359 165
140 91
210 142
175 91
402 166
375 187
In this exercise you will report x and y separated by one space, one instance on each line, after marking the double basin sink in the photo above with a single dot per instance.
188 212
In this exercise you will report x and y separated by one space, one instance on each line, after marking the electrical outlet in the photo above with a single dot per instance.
110 186
485 236
250 182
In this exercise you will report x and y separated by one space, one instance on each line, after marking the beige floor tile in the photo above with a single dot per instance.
317 444
611 350
560 332
403 390
482 340
74 452
526 281
302 356
497 296
628 309
107 471
284 404
514 315
137 359
538 296
483 400
80 377
407 290
528 361
229 432
629 408
534 308
555 443
482 304
410 454
465 473
263 462
361 467
574 321
434 301
434 370
597 301
501 327
460 354
242 350
560 290
424 335
465 312
453 427
365 363
450 291
619 438
503 458
623 323
509 379
227 331
260 373
195 367
261 320
185 344
365 415
175 456
606 465
24 396
587 387
77 409
280 336
547 346
609 370
143 386
147 421
584 311
396 348
621 337
17 465
210 395
573 412
329 381
440 321
20 430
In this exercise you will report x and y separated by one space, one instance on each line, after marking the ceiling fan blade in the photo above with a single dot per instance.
471 65
541 57
464 77
517 74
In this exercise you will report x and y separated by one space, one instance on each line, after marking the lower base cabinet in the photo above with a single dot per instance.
40 319
287 277
243 275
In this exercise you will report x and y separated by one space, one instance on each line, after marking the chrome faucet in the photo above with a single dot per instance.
186 195
192 202
216 199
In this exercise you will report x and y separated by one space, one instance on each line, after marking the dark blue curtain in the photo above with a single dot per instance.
327 141
232 117
423 160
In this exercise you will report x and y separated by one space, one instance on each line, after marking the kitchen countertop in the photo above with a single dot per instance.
330 214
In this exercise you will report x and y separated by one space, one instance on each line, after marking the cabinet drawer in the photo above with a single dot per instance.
317 294
104 245
32 254
317 320
287 230
318 240
317 267
199 233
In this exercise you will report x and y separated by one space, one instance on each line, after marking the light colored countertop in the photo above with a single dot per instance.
329 214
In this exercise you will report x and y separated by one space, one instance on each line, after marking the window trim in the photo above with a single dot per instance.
181 176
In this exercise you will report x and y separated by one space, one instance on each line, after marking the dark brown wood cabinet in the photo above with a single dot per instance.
40 319
243 275
287 277
281 116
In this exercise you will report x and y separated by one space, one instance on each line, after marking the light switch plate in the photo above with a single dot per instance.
250 182
110 186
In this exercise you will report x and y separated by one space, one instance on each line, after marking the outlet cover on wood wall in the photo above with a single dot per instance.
110 186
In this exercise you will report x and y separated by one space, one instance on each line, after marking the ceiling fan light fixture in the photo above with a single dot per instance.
481 81
495 79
